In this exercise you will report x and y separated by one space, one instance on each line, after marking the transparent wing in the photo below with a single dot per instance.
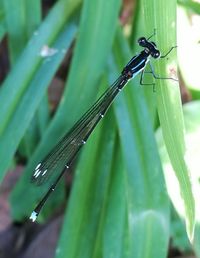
64 152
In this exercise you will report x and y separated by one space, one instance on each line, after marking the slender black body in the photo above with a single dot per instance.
62 155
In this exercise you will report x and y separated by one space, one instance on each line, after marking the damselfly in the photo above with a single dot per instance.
60 158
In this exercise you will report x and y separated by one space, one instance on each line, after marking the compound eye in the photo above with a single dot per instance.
155 54
142 41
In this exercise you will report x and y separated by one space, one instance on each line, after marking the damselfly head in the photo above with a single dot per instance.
150 47
142 42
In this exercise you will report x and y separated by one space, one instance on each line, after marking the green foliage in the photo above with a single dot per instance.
192 125
118 205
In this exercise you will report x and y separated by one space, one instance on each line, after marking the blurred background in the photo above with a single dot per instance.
133 191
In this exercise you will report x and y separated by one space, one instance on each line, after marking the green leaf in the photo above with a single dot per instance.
192 125
169 102
190 5
18 80
22 19
89 196
16 88
148 206
2 20
115 227
28 105
81 87
20 22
